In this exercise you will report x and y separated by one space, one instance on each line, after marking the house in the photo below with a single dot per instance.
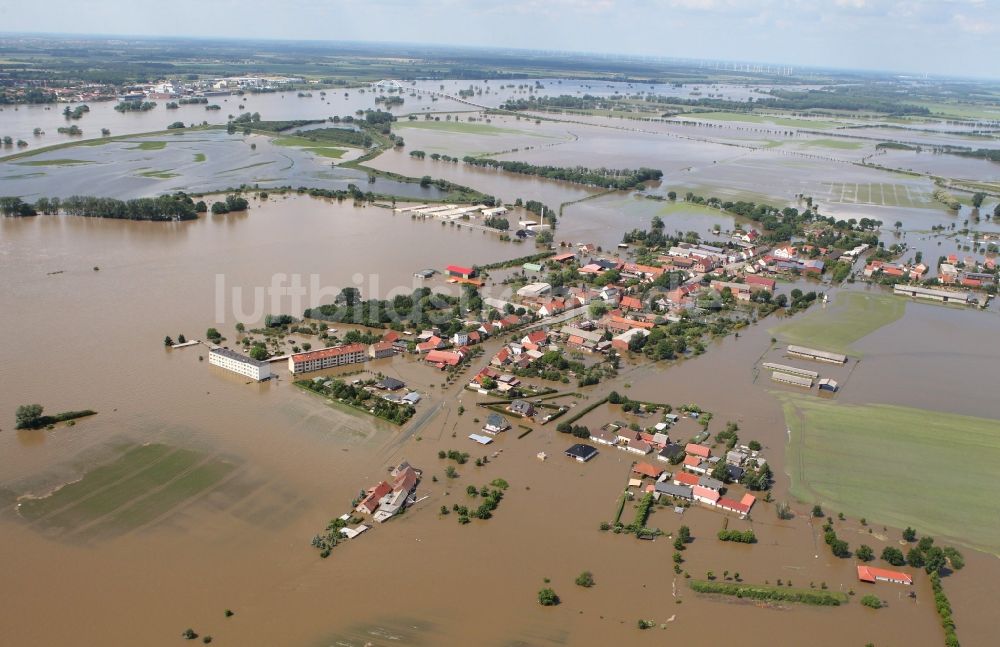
563 258
537 337
731 505
711 483
502 357
461 272
495 423
621 342
604 437
669 452
694 464
679 491
370 502
697 450
433 343
683 478
534 290
637 446
735 472
405 480
442 358
873 574
760 282
705 495
552 307
645 469
411 398
381 349
581 452
735 457
460 338
389 384
630 303
522 408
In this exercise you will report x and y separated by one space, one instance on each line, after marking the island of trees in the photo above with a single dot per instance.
617 179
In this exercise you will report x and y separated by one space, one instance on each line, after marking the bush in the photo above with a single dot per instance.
871 601
740 536
585 579
548 598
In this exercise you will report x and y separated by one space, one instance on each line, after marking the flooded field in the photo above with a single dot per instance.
196 161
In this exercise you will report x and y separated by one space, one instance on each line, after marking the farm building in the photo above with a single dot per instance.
793 380
816 355
872 574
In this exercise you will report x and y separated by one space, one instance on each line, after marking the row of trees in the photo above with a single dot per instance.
619 179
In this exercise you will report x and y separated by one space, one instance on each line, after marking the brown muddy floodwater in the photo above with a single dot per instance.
93 339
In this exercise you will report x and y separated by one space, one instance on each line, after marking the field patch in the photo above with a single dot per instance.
897 466
148 146
852 316
842 144
199 157
877 194
746 117
159 175
55 162
464 127
144 483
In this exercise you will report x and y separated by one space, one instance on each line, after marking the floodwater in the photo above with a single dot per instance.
80 338
244 545
193 162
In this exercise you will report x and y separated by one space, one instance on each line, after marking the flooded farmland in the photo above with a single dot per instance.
192 491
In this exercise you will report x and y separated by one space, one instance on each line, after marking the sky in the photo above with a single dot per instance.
941 37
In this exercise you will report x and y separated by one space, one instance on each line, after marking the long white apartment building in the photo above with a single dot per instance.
317 360
239 363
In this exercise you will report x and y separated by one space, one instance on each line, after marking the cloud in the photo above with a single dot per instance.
971 25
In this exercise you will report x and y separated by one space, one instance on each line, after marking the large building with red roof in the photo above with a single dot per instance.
318 360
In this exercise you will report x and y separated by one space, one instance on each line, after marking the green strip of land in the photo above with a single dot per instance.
771 593
834 143
55 162
148 146
463 127
897 466
852 316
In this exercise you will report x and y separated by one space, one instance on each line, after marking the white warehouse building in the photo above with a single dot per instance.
239 363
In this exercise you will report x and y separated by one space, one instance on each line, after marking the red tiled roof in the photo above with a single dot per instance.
324 353
443 357
370 502
871 573
692 461
390 336
686 479
748 500
631 302
731 504
697 450
705 493
458 269
646 469
559 258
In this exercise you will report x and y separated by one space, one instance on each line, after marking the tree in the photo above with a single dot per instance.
548 598
258 352
909 534
754 446
181 339
996 211
213 335
167 341
977 199
915 558
585 579
893 555
864 553
817 511
28 416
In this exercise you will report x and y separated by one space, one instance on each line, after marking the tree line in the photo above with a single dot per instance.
617 179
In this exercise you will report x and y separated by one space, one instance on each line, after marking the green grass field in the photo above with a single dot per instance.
852 316
55 162
148 146
199 157
463 127
842 144
142 484
310 146
159 175
897 466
